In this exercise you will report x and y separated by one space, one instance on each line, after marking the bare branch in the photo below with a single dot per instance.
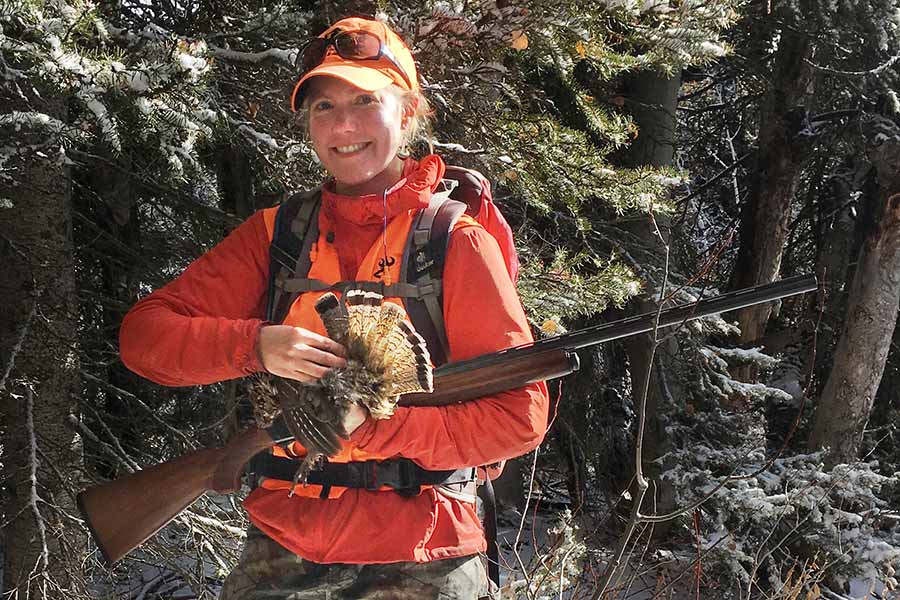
23 333
34 498
873 71
640 482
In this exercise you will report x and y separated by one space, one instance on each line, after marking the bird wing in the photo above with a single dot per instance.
310 417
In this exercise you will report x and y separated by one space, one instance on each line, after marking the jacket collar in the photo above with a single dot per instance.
414 190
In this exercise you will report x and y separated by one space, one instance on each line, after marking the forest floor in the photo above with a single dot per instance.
185 561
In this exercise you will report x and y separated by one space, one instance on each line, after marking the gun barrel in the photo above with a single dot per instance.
640 323
736 300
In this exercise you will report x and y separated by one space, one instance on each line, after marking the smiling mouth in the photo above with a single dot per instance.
351 149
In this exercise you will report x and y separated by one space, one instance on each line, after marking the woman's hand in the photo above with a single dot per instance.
297 353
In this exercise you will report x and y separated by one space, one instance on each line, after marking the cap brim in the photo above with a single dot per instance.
357 74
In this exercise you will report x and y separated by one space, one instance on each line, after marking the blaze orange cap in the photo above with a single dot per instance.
369 75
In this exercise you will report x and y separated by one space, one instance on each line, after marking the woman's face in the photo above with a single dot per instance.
356 134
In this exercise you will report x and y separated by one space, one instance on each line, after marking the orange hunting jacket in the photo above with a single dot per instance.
203 327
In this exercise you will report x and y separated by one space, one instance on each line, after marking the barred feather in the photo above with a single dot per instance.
378 338
422 360
363 308
306 414
390 349
334 316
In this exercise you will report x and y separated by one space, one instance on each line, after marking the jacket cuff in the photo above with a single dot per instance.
251 361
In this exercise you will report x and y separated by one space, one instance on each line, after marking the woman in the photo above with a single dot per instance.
361 101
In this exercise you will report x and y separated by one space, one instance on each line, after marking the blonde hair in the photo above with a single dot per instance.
418 129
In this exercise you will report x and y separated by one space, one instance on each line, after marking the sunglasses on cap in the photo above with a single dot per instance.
350 45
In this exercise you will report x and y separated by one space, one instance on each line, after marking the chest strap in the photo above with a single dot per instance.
400 474
397 290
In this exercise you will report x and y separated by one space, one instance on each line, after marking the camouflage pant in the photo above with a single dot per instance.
268 571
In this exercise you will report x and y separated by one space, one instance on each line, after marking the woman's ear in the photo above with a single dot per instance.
410 106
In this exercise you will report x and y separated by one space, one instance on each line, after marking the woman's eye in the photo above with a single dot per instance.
367 99
322 105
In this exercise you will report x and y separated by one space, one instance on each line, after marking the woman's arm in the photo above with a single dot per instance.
203 326
483 314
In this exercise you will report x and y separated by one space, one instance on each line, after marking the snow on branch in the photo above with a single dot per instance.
459 148
163 78
33 119
263 138
254 135
285 55
190 518
722 385
800 497
745 356
108 127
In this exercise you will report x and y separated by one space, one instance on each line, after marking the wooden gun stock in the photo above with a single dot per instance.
122 514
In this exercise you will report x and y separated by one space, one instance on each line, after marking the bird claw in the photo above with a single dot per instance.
312 461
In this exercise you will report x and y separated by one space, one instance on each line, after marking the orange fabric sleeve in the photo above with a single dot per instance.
483 314
203 326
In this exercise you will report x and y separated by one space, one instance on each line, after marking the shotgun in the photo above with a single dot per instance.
123 513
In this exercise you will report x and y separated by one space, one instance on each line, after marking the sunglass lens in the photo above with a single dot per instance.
312 55
358 45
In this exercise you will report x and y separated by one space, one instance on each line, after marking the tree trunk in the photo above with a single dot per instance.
236 181
782 143
38 325
110 205
237 195
861 353
833 263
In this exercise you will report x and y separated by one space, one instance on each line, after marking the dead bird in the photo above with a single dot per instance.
385 359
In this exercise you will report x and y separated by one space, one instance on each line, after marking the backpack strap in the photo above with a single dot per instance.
423 267
421 277
296 230
468 189
489 522
426 252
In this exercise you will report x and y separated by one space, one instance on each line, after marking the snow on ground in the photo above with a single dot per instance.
197 570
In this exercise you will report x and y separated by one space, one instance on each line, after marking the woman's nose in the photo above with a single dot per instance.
344 120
